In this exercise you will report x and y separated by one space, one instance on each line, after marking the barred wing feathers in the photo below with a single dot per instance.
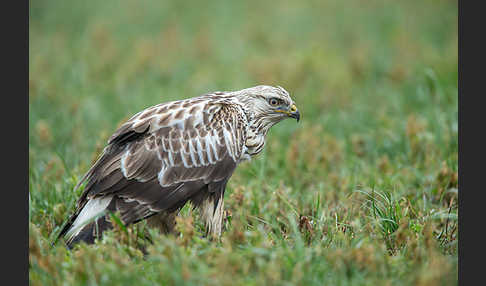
161 158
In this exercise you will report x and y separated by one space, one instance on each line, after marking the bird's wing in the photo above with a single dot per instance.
165 154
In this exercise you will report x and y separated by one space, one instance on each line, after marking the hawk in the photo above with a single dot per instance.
173 153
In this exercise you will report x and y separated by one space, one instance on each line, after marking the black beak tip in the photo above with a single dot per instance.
296 115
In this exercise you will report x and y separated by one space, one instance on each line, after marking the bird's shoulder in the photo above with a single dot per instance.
205 112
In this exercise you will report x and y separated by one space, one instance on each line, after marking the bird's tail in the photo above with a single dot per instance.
88 223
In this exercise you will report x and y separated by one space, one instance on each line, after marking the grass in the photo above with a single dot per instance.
362 191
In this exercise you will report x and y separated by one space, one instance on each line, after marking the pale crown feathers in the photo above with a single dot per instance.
267 106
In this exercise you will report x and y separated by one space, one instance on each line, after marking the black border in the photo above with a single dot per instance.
15 141
471 87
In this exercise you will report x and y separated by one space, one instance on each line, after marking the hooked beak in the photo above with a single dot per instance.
294 112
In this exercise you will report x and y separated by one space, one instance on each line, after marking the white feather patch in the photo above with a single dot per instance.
229 143
160 175
212 142
208 148
123 160
200 152
192 150
93 208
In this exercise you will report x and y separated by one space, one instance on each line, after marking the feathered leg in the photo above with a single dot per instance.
212 213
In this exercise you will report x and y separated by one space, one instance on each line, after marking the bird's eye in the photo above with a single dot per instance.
273 101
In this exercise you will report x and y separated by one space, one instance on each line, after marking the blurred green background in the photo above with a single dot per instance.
363 190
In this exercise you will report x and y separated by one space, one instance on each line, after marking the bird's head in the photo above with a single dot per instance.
269 105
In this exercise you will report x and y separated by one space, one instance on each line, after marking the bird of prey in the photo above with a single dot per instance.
173 153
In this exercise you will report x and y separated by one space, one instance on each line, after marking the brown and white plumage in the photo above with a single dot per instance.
175 152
